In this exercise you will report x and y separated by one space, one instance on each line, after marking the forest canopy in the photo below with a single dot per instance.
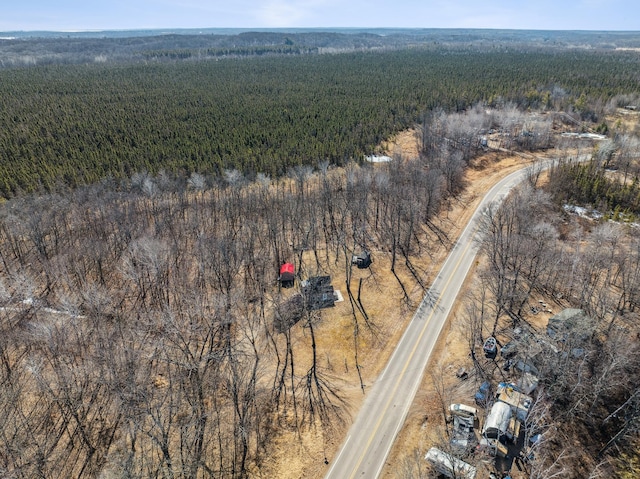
76 124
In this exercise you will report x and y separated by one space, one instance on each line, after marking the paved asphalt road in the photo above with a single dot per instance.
385 408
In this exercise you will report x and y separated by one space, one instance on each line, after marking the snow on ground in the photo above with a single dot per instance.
378 159
592 214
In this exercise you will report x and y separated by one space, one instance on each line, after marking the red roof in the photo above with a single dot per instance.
287 268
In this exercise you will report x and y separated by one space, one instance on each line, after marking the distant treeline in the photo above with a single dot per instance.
67 125
183 54
16 51
29 48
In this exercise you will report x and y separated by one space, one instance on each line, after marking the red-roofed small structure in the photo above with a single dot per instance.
287 275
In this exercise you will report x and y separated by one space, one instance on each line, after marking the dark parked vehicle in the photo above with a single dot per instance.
490 348
483 394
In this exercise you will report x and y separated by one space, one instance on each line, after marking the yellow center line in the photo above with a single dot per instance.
415 347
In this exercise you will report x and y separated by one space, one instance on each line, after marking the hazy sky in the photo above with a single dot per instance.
142 14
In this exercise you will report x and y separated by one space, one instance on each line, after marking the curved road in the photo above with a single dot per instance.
385 408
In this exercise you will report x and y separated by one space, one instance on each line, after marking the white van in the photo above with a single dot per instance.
464 411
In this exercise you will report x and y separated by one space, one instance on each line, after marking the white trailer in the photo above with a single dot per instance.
449 465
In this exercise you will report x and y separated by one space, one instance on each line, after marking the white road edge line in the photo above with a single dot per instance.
337 459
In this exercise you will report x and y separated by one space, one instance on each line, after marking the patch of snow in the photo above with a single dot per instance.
378 159
30 302
582 212
591 214
584 136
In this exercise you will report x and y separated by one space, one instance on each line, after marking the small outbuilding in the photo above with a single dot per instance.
287 275
362 260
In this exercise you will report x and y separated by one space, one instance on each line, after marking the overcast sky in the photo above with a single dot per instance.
66 15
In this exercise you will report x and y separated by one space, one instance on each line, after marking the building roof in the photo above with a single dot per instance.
287 274
518 401
362 260
318 292
287 268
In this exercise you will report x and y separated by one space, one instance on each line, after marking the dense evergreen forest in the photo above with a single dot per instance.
67 125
